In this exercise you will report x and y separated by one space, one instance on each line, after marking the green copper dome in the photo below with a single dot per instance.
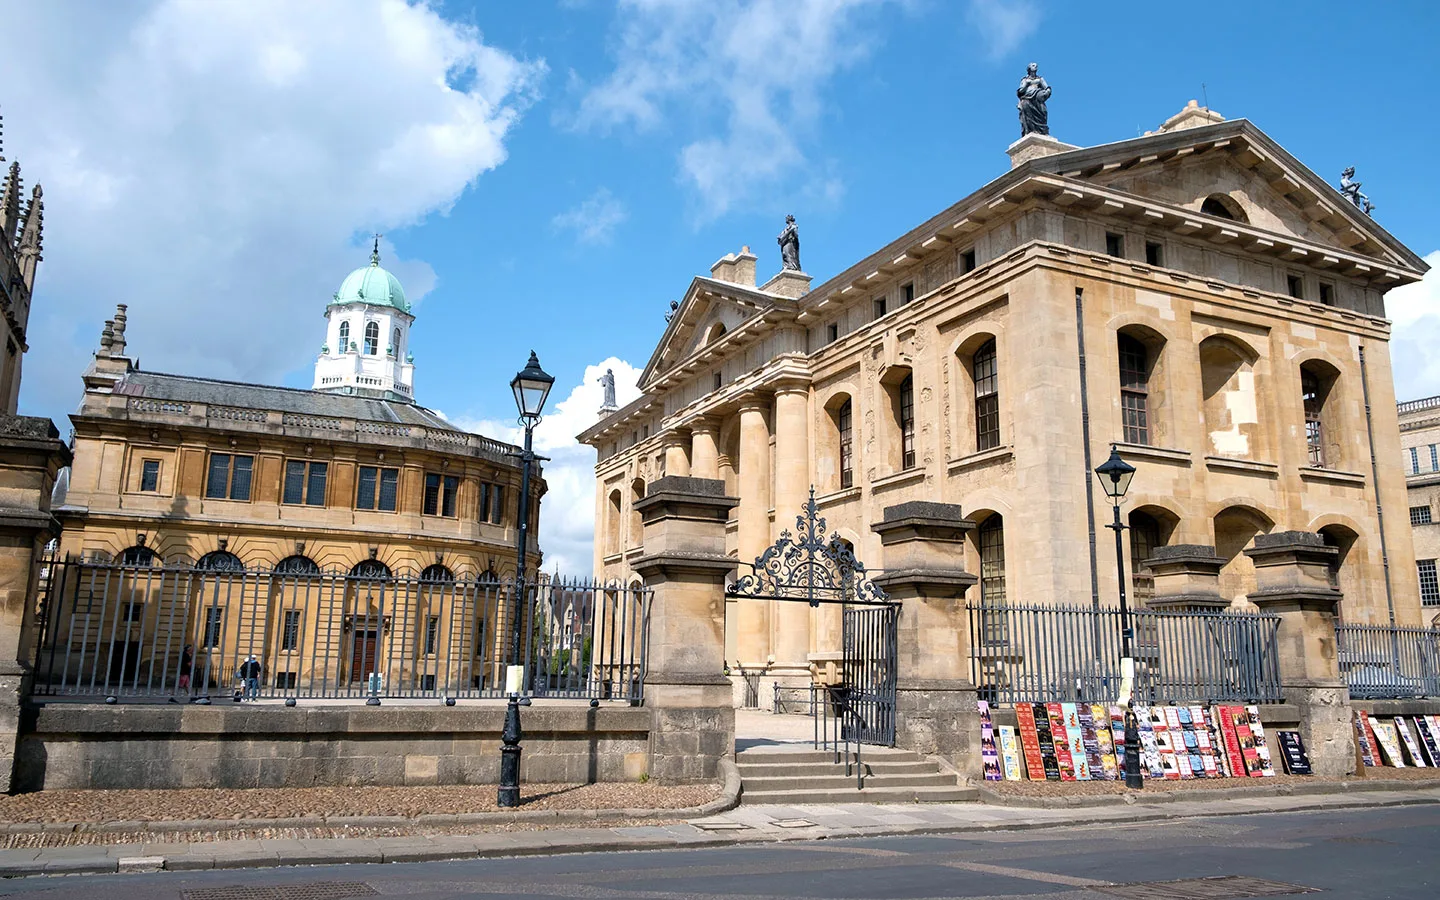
372 285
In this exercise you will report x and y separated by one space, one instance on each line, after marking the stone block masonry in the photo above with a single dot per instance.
120 747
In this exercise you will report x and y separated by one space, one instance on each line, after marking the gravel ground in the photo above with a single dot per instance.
1095 788
286 803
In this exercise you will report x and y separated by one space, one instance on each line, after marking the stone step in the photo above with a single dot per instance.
838 780
750 770
804 754
807 796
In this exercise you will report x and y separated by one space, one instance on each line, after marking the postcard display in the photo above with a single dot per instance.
1399 742
1086 742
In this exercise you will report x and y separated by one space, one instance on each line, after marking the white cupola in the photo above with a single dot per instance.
367 337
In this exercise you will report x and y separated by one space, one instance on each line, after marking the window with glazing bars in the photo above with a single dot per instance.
229 477
432 634
290 634
1429 585
847 447
907 422
150 475
991 539
1420 515
214 624
377 488
987 398
1414 461
492 503
1314 428
305 482
1134 390
440 494
1435 457
372 338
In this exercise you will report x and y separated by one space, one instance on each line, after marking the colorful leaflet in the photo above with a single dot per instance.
1077 741
1368 751
1009 752
989 756
1046 737
1104 734
1262 749
1061 735
1149 746
1389 742
1090 733
1408 740
1030 742
1234 754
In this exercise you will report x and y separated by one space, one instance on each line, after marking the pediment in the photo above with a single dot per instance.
711 310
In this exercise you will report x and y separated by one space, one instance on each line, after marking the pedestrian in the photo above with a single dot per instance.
251 671
187 662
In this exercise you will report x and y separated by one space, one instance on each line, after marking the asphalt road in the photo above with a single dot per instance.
1374 854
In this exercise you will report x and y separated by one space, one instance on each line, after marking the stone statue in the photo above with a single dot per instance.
789 241
607 381
1351 189
1033 92
674 308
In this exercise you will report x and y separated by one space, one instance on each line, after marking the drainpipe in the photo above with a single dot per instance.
1375 479
1085 438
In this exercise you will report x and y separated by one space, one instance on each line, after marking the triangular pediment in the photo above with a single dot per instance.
711 310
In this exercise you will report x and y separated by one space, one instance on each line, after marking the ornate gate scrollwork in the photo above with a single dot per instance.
809 567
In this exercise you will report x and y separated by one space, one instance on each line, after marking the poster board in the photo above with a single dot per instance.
1061 734
1407 740
1389 742
1292 753
1369 753
1262 748
989 754
1030 742
1010 752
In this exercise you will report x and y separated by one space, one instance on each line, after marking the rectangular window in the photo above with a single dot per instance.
1154 253
1414 461
305 482
377 488
1134 391
879 307
990 537
987 399
1314 427
497 504
440 494
1295 287
150 475
716 382
1327 293
1114 244
907 422
1434 458
285 681
484 506
1420 515
432 634
135 612
847 447
907 293
1429 586
832 333
290 634
967 261
214 624
229 476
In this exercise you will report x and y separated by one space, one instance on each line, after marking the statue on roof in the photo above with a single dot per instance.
1033 92
789 241
674 308
607 382
1351 189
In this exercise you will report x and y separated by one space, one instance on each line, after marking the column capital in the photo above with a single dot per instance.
754 401
703 425
791 385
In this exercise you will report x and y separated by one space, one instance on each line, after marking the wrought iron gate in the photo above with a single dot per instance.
811 568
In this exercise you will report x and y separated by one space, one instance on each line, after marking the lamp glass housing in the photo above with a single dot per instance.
1115 475
531 386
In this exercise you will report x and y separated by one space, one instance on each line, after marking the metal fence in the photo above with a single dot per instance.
1381 662
155 632
1041 654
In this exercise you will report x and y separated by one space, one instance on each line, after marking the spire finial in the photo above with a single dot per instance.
375 252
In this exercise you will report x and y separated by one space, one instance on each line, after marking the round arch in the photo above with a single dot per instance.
220 561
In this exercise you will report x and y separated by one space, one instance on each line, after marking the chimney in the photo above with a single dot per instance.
736 268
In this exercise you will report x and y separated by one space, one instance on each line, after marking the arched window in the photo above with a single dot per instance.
637 493
1144 538
370 568
847 445
344 336
137 556
714 333
220 561
297 565
1134 390
372 338
1229 402
612 523
437 574
987 398
1223 207
990 540
905 405
1313 392
489 577
395 343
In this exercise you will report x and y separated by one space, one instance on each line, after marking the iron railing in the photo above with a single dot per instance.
160 633
1042 654
1381 662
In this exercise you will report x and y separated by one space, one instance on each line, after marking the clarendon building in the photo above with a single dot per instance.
350 478
1420 456
1195 297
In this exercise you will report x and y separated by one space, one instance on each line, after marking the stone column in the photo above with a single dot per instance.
1292 574
31 456
677 463
1187 577
693 721
705 449
923 554
792 491
753 634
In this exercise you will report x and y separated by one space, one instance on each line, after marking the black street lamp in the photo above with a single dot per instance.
531 386
1115 475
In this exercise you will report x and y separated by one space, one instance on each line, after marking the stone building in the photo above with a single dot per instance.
1196 297
1420 457
21 229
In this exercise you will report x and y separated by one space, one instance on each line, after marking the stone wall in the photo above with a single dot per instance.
92 746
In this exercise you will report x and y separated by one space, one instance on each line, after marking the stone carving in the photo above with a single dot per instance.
1033 92
789 241
1351 189
607 382
674 308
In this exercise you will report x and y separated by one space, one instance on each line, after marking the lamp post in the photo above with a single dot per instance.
1115 475
531 386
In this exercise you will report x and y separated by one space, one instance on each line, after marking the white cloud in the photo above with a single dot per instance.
567 514
1415 311
220 163
1003 24
759 67
593 219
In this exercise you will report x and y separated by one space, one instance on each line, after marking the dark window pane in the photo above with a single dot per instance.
240 478
987 398
907 423
432 633
847 447
991 539
432 495
1134 390
291 636
1314 428
484 506
218 478
389 488
497 504
315 490
294 482
365 493
150 475
452 487
214 623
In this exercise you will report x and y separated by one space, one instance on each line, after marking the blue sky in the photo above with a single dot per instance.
549 176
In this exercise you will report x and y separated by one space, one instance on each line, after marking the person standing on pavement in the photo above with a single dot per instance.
251 672
187 662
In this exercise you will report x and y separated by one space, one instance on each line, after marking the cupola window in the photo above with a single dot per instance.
372 338
344 336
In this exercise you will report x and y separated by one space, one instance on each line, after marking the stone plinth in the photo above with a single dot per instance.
789 283
1034 146
923 555
1292 573
692 719
1187 576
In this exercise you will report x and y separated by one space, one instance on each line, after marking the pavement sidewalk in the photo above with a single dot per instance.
742 825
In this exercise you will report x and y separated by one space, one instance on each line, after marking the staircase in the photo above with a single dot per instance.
790 774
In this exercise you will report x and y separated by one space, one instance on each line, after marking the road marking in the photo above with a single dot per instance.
1027 874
